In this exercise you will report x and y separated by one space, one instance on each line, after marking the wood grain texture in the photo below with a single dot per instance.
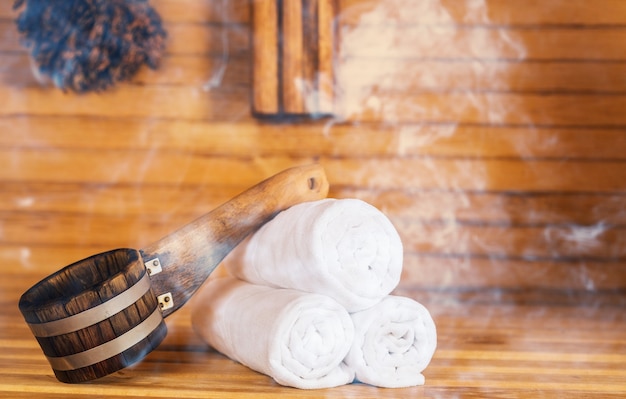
492 135
294 45
83 287
265 56
292 56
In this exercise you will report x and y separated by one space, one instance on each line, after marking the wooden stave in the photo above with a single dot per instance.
116 363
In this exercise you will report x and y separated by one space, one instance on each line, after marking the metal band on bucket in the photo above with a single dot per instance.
110 348
93 315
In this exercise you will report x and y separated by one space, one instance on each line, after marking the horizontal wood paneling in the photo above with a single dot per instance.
534 12
491 134
468 42
174 69
422 271
189 11
325 138
182 38
130 101
426 174
496 12
470 208
456 137
559 242
558 109
204 11
230 103
410 75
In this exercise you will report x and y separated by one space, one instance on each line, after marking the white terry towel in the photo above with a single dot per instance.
297 338
344 248
394 342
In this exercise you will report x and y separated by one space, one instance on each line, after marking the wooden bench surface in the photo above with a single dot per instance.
493 135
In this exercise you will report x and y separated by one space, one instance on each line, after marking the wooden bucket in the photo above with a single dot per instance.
103 313
95 316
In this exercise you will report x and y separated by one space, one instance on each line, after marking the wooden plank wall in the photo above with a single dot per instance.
493 136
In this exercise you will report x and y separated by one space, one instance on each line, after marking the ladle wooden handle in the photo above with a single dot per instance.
189 255
105 312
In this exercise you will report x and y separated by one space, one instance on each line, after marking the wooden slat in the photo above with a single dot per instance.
559 110
190 11
183 38
420 270
410 75
496 12
486 108
293 59
40 261
187 201
552 242
439 107
124 167
173 70
327 37
534 12
177 168
480 241
496 208
118 200
198 71
473 272
110 231
480 175
471 42
597 242
134 101
311 139
202 39
203 11
411 41
390 76
265 57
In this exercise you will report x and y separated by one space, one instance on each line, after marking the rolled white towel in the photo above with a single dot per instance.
394 342
346 249
297 338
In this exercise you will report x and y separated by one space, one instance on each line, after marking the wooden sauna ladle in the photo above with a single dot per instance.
106 312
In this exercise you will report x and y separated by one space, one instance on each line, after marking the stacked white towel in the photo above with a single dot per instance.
299 339
346 249
394 342
310 305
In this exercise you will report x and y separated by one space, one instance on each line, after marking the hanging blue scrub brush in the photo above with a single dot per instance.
89 45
